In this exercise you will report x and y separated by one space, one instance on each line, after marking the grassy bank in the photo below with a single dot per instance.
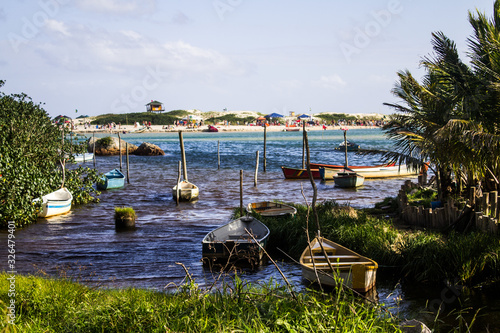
48 305
416 255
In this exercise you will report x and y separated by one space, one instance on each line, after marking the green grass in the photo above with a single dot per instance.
59 305
124 212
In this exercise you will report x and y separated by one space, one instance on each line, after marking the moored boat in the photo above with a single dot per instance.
187 191
351 146
328 171
349 268
112 179
348 179
85 157
271 208
231 242
296 173
55 203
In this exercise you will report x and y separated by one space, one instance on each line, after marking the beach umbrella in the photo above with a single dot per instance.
304 116
274 115
261 118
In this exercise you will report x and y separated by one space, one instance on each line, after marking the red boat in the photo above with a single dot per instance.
212 128
293 173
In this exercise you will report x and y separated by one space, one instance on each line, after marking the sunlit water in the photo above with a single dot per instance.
84 244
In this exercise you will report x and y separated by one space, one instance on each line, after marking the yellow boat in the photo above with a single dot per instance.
354 270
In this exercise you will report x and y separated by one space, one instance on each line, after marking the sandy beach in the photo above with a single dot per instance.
79 128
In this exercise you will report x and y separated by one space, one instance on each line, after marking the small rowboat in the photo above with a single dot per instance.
56 203
348 179
187 191
354 270
328 172
85 157
113 179
231 243
271 208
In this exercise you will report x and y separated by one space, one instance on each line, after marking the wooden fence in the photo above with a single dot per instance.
485 215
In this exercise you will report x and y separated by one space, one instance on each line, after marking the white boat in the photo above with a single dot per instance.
56 203
187 191
85 157
271 208
349 268
328 172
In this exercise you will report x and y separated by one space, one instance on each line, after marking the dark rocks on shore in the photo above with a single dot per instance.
114 145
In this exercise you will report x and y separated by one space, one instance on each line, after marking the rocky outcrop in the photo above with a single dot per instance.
149 149
109 146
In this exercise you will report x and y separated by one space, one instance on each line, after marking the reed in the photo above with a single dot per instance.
60 305
415 255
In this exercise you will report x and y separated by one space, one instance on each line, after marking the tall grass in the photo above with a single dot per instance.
47 305
416 255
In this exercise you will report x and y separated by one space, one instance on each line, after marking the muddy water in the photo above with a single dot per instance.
84 244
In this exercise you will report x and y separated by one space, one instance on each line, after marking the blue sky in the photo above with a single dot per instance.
114 56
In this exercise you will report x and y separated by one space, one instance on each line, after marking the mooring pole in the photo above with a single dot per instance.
241 192
184 167
120 149
178 182
256 168
218 154
265 142
303 145
128 175
93 142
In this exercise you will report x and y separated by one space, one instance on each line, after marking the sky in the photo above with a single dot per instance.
92 57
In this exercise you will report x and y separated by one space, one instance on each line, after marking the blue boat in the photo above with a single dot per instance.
113 179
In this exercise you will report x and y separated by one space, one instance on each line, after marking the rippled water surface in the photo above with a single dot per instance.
84 242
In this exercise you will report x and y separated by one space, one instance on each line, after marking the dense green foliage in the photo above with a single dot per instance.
233 118
31 155
451 117
47 305
418 256
124 212
335 117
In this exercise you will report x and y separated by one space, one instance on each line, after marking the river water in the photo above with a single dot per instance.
84 244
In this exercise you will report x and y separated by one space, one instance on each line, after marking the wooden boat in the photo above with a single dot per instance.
231 243
294 173
112 179
187 191
348 179
328 172
85 157
354 270
271 208
56 203
292 128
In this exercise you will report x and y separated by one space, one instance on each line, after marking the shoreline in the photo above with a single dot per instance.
130 129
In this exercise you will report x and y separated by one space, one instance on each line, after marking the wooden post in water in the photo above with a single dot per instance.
93 142
183 154
120 149
303 145
128 175
178 182
265 142
218 154
241 192
256 168
345 147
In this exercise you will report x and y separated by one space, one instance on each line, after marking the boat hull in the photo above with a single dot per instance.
113 179
348 179
56 203
187 191
271 208
85 157
328 172
230 243
349 268
293 173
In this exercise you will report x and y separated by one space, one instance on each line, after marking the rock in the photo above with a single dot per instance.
414 326
149 149
112 148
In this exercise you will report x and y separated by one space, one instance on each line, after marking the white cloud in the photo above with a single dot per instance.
333 82
58 27
127 7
